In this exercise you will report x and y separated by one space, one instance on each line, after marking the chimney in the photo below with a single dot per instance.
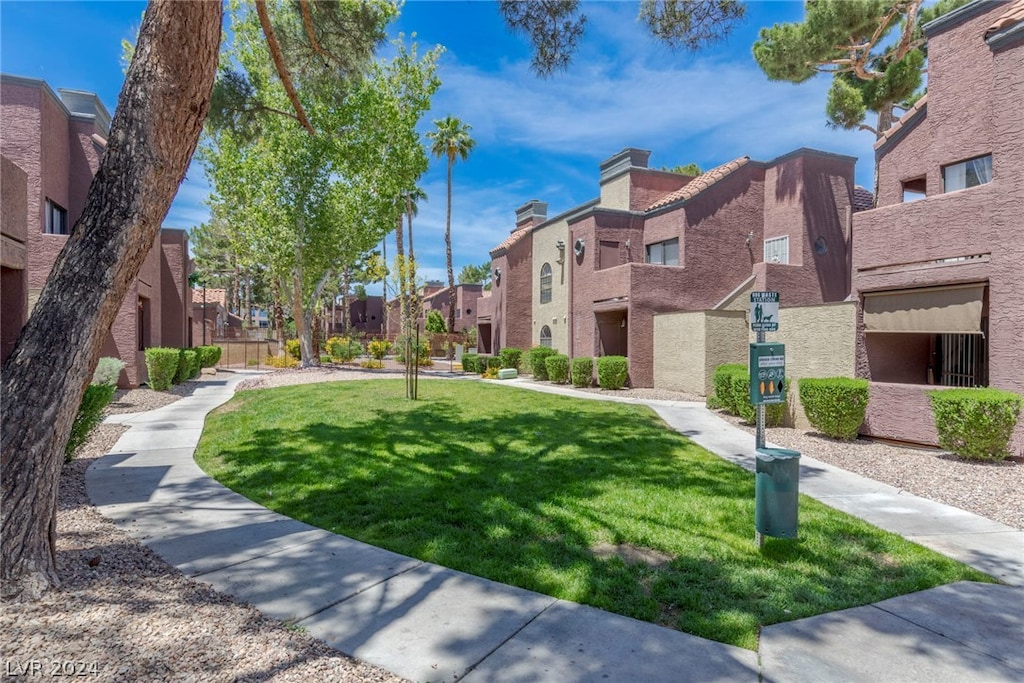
616 177
530 214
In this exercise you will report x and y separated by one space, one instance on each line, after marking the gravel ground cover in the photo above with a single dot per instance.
123 614
128 615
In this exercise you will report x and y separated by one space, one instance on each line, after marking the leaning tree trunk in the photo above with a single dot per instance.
448 256
159 117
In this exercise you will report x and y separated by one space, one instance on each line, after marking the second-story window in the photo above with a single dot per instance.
56 219
964 174
664 253
914 189
545 283
776 250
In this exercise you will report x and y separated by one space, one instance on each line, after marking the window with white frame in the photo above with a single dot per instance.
545 336
545 283
664 253
964 174
776 250
56 219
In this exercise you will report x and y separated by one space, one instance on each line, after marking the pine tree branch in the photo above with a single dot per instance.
307 22
282 70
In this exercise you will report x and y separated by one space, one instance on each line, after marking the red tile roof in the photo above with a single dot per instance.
700 183
863 199
512 239
1013 15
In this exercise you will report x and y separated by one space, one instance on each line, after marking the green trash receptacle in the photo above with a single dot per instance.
777 492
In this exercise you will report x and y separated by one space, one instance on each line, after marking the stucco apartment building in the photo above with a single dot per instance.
51 147
590 281
435 297
938 267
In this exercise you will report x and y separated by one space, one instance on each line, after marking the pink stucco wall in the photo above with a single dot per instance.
975 107
59 156
721 231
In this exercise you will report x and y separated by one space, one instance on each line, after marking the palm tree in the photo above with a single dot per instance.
450 140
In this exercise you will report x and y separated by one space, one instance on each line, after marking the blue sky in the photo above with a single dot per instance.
536 139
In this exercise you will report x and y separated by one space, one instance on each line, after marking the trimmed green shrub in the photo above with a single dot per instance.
209 356
582 371
90 414
293 348
187 364
612 372
536 358
714 403
558 368
722 383
90 411
732 394
975 423
471 362
162 366
108 371
197 365
510 357
494 363
835 406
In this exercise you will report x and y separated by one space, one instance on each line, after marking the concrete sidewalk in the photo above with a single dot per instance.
427 622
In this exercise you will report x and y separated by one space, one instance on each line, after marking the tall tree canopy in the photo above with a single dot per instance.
476 275
556 27
450 140
873 49
309 197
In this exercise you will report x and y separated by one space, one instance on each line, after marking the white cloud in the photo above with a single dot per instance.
189 207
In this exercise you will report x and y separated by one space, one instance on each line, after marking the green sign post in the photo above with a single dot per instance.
777 475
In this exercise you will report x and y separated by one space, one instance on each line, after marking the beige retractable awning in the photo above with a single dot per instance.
934 310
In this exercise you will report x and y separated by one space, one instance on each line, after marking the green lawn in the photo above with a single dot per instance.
533 489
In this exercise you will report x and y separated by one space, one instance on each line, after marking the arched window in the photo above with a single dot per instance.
545 285
545 336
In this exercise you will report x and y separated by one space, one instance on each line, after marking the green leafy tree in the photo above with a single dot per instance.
312 204
450 140
873 49
476 275
435 323
689 169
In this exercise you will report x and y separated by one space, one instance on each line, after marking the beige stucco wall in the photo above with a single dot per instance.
615 193
689 346
554 314
679 351
820 342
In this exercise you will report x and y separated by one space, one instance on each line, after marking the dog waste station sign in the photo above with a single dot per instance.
764 312
777 473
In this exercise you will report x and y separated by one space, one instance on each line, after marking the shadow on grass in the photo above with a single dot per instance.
519 487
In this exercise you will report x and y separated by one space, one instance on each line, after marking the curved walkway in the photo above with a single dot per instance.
427 622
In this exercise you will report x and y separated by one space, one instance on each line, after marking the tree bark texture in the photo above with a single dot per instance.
159 118
448 255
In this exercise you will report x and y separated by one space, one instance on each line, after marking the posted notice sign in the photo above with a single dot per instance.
764 311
